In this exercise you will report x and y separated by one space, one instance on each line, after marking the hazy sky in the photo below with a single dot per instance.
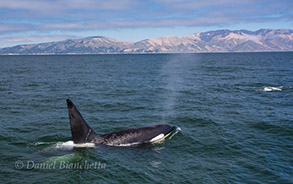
34 21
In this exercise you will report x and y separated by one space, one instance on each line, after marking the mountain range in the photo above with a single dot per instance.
263 40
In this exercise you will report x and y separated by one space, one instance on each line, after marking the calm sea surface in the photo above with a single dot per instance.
235 112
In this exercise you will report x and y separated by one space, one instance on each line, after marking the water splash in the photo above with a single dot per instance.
71 145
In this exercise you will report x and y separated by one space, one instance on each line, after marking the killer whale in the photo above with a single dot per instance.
83 133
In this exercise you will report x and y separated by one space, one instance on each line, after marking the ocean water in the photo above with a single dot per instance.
235 112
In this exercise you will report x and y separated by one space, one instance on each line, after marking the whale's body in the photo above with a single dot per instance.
83 133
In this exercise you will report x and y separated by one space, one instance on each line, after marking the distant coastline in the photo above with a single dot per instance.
77 54
220 41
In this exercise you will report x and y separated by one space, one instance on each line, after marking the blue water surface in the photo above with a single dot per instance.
235 111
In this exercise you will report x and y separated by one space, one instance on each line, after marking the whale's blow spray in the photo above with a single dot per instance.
172 76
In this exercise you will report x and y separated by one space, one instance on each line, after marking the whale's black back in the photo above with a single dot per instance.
136 135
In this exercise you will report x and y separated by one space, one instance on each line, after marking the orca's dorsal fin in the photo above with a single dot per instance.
80 130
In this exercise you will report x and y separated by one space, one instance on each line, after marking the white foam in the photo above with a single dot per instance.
70 145
273 88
